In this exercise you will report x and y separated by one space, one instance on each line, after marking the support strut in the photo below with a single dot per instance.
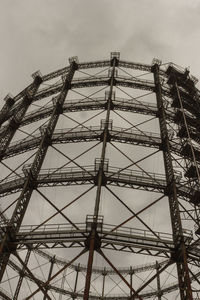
180 256
34 170
100 179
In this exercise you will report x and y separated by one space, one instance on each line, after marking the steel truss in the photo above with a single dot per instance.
32 129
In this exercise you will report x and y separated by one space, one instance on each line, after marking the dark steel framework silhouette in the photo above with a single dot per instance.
177 109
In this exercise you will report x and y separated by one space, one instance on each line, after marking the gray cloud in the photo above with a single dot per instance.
43 34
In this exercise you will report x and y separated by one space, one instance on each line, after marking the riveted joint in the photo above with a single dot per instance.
10 247
59 108
52 259
57 105
160 294
163 145
47 140
21 273
9 100
108 136
2 153
104 179
28 99
113 81
154 68
7 245
111 105
131 271
46 135
156 88
28 173
37 76
77 268
97 242
14 124
67 85
75 65
114 62
114 58
37 80
177 255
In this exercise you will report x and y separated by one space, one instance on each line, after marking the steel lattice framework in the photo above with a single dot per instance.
134 194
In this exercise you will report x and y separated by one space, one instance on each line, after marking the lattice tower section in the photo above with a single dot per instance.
99 183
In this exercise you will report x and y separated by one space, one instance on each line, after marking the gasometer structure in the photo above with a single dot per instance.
99 183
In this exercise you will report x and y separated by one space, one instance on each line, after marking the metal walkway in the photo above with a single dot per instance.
123 239
87 174
81 134
92 133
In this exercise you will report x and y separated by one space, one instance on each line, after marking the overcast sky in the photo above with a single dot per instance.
42 34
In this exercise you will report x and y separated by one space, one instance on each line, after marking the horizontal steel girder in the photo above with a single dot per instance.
92 104
99 269
147 294
93 64
125 239
93 133
102 80
86 175
81 134
82 82
100 64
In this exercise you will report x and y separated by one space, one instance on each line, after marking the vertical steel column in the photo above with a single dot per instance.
50 272
76 281
131 281
4 220
62 283
180 255
105 138
14 123
104 273
89 265
99 184
159 294
175 86
33 173
19 284
9 101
